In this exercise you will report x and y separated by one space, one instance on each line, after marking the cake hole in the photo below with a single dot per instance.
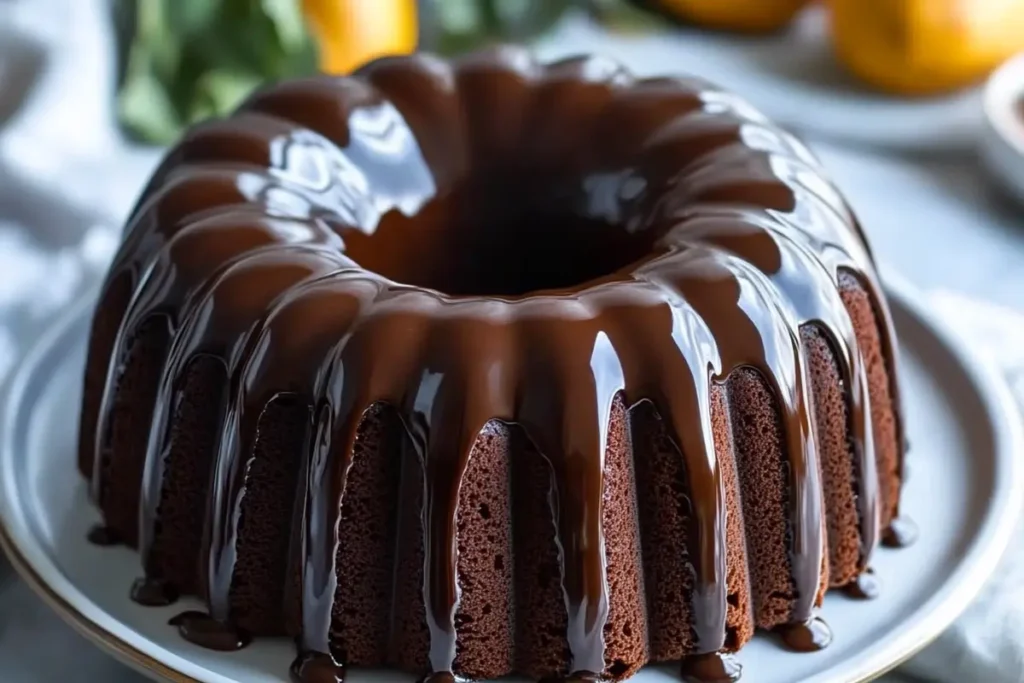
499 235
732 639
618 669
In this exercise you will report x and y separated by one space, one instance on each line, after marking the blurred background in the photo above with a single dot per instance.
916 108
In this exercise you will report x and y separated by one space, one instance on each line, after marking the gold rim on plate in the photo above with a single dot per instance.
73 617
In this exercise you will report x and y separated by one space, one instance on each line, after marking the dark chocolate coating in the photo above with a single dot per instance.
494 239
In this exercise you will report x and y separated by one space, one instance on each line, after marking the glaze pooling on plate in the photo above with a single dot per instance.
493 240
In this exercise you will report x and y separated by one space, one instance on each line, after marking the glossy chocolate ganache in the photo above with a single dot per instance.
494 252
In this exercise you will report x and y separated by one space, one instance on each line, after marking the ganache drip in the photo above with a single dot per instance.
317 667
442 677
578 677
203 630
864 587
153 592
900 533
808 636
714 667
254 244
104 536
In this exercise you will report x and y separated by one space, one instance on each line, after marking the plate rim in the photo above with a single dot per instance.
933 617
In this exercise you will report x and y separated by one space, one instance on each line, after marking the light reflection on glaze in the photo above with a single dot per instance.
744 243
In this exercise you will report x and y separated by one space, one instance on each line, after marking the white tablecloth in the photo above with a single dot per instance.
66 179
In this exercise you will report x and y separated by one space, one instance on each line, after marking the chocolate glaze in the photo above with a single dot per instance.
317 667
327 242
577 677
442 677
153 592
203 630
806 636
864 587
104 536
900 533
711 668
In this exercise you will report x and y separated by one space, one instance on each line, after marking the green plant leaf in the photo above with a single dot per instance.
288 21
184 60
189 17
220 91
145 109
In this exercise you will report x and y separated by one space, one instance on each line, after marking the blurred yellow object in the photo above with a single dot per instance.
925 47
747 16
352 32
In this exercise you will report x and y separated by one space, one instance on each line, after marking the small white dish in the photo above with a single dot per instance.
1002 140
964 489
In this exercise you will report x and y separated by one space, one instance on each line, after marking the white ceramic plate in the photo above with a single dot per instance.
964 489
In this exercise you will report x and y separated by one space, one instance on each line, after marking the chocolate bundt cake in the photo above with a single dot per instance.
491 366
